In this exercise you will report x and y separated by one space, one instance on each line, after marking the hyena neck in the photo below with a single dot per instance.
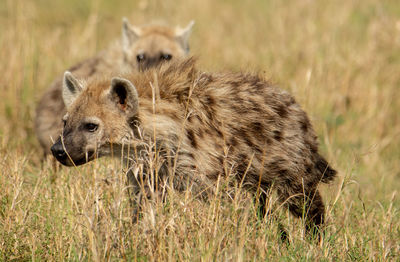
151 134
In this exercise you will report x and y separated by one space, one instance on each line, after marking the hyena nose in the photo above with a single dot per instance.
58 151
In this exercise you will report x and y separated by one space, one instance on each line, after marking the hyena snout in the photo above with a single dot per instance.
147 62
70 157
58 151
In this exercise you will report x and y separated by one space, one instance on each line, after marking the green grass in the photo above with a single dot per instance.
341 59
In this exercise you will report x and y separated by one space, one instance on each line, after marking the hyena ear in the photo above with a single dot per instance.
182 35
124 94
71 88
130 34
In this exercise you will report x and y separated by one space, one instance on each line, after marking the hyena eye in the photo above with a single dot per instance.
64 122
91 127
166 57
140 57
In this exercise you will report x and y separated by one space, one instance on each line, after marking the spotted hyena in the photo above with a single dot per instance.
139 49
204 124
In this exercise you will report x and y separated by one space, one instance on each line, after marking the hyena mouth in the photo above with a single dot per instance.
87 157
69 158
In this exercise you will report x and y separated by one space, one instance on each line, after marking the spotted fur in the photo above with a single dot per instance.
207 124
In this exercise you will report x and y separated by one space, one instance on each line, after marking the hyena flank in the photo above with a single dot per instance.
204 124
139 49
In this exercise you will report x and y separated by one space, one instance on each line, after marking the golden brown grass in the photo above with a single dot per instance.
341 59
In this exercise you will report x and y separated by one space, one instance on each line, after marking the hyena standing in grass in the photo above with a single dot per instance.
203 124
139 49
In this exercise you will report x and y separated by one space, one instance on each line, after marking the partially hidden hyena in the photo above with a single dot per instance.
202 123
139 49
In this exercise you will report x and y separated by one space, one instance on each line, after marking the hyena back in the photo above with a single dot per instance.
140 48
208 121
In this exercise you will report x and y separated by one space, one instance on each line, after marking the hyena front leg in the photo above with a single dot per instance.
307 205
144 186
265 210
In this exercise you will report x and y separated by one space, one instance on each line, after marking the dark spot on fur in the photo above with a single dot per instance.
277 135
201 133
238 132
314 148
304 126
260 150
233 142
257 128
238 100
258 108
233 83
210 113
209 100
241 169
239 108
282 111
248 141
191 136
187 154
308 169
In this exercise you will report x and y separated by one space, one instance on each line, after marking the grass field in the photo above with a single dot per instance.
341 60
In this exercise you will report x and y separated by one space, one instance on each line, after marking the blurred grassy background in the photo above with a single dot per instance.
341 59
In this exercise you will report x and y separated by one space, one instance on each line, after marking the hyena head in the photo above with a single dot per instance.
99 119
151 45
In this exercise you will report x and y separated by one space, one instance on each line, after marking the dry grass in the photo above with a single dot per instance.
341 59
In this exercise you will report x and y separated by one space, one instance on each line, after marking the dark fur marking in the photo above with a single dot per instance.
233 142
191 136
239 109
277 135
188 154
308 169
304 126
220 160
201 133
209 100
282 111
314 148
257 128
248 141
